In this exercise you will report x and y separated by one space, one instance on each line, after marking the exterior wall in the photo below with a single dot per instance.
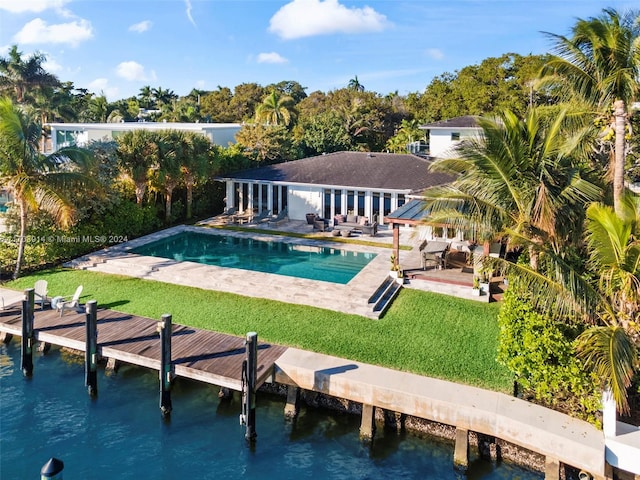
303 200
440 143
83 133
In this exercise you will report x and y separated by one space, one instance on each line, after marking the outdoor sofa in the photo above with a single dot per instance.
358 223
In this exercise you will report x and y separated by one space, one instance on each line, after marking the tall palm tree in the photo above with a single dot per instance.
195 164
167 170
600 64
137 152
275 109
37 181
20 76
355 85
519 179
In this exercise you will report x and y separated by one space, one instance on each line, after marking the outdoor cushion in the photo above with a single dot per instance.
363 220
352 218
339 218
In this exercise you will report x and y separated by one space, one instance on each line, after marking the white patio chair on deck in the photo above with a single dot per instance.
63 304
40 292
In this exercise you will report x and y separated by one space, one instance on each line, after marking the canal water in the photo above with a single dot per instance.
121 435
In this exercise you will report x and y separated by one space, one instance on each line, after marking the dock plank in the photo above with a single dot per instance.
203 355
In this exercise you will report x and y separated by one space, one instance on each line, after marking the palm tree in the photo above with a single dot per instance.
610 304
137 153
167 170
37 181
600 64
21 76
355 85
519 179
195 164
275 109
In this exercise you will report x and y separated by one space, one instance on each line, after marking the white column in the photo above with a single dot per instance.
609 415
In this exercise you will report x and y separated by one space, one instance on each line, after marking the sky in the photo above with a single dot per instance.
116 47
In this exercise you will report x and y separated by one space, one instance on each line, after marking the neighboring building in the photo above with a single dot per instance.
446 134
80 134
369 184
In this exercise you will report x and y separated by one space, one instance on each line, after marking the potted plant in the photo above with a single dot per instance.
476 286
396 271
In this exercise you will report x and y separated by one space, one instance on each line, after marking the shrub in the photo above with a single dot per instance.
541 353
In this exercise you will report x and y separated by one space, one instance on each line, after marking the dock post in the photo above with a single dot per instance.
551 468
91 348
27 332
461 453
293 402
165 328
368 422
249 373
52 470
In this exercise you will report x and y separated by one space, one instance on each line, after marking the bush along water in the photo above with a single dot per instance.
541 353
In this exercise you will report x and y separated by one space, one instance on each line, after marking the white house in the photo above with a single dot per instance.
446 134
365 184
80 134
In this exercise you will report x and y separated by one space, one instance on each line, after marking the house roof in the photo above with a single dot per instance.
382 171
467 121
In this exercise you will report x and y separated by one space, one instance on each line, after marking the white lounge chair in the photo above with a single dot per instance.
63 304
282 217
40 292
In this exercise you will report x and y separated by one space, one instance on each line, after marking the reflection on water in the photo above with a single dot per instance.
121 434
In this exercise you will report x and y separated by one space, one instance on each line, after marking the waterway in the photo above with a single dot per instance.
120 434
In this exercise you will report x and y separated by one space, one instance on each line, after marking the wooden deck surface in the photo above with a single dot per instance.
202 355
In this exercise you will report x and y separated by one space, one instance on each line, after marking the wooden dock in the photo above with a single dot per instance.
201 355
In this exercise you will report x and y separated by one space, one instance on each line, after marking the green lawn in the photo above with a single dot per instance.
424 333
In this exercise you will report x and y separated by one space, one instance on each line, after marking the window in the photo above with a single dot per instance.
350 202
455 136
337 201
360 203
327 203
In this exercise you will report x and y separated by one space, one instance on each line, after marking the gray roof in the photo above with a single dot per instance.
411 212
384 171
468 121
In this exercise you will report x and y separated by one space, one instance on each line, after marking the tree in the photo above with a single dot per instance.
275 109
170 147
23 76
600 65
37 182
266 144
408 132
606 297
137 153
520 179
355 85
194 163
246 97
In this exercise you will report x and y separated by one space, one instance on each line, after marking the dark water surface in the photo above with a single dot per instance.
121 435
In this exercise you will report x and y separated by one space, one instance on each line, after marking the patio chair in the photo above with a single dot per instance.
40 293
62 304
282 217
262 217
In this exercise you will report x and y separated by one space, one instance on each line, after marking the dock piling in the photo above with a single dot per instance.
166 329
91 350
27 332
368 422
461 452
249 374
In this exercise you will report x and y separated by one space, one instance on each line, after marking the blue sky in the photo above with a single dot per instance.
119 46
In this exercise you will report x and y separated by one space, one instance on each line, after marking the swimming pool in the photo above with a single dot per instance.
290 259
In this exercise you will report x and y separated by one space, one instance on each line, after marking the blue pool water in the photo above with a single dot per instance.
290 259
120 434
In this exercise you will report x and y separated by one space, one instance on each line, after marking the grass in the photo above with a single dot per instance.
423 333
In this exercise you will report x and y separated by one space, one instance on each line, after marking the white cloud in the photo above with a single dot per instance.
435 53
34 6
52 66
101 86
38 31
188 5
306 18
140 27
271 57
134 71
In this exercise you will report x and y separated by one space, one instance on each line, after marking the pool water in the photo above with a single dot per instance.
120 433
290 259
